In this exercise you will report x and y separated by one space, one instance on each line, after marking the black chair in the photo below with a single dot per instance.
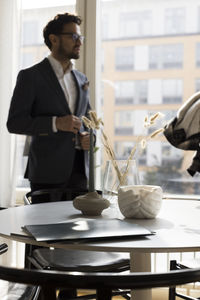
52 195
18 291
103 283
3 248
74 260
174 265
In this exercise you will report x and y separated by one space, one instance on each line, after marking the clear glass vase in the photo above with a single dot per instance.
119 173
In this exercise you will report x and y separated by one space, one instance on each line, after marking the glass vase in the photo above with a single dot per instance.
119 173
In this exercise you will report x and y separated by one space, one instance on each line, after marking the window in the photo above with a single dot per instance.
124 123
174 20
166 56
135 24
131 92
197 85
124 58
27 59
170 154
123 150
124 92
27 38
155 75
172 56
105 26
198 55
168 115
198 21
172 91
148 74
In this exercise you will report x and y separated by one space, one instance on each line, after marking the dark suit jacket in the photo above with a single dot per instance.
37 97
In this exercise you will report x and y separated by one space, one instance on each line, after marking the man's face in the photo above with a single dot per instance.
67 46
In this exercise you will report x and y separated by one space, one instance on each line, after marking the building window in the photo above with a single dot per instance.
105 26
155 57
124 92
198 19
141 91
170 154
133 24
124 58
198 55
130 92
167 116
124 123
33 28
27 59
123 150
197 85
174 20
172 91
166 56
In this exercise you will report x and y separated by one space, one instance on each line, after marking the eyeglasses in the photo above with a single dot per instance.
75 36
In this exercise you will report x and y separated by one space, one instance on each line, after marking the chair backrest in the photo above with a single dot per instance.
52 195
12 290
3 248
104 283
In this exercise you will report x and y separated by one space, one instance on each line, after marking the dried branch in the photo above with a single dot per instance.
96 123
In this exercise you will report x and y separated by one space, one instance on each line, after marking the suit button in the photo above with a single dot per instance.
73 139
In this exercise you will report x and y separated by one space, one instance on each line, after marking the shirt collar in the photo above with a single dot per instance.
57 67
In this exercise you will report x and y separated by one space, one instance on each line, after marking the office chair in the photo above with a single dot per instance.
74 260
188 264
18 291
103 283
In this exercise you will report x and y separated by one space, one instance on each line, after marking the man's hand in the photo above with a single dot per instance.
85 140
68 123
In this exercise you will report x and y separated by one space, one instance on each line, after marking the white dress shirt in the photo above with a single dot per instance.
67 83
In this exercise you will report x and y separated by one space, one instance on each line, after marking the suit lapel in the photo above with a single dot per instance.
53 82
78 82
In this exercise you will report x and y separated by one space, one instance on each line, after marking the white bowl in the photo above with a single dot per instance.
140 201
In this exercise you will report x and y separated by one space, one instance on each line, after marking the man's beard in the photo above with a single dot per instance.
62 53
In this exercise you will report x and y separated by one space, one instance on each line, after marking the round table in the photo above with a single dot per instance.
177 228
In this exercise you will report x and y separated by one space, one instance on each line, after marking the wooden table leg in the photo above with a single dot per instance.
141 262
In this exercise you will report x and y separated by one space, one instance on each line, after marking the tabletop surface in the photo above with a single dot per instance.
177 226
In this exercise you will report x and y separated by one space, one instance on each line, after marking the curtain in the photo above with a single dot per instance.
10 11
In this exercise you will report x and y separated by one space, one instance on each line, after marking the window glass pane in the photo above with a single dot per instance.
124 58
151 57
198 54
124 123
35 15
174 20
27 38
172 91
135 23
130 92
197 85
166 56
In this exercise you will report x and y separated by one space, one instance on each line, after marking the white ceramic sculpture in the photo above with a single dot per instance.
140 201
91 204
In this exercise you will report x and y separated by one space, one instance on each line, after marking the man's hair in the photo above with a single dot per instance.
55 26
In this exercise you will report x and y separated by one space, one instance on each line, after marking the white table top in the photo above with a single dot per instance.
177 226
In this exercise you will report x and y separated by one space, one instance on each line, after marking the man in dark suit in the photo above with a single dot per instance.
48 102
